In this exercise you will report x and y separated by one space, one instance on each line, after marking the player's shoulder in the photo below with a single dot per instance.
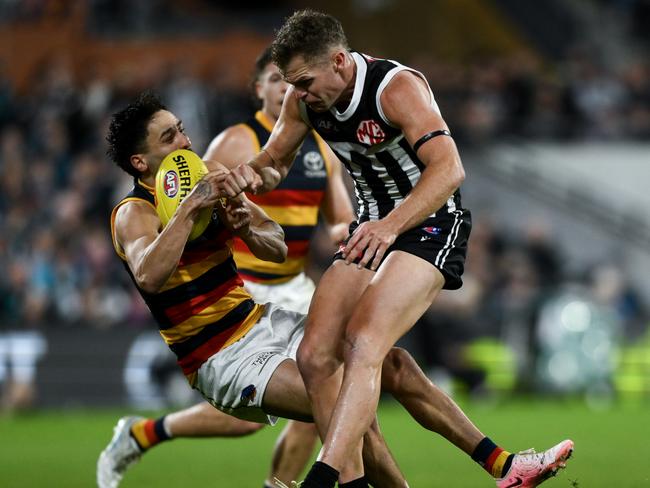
133 207
232 144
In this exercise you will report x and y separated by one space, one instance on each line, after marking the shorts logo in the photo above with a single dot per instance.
369 132
171 184
262 358
429 232
248 394
434 231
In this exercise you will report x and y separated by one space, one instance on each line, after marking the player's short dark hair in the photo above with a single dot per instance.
262 61
307 33
127 132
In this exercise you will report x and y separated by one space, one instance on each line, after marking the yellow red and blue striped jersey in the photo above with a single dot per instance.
293 204
203 307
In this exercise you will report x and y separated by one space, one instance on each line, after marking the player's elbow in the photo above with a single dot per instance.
457 174
274 252
148 283
279 253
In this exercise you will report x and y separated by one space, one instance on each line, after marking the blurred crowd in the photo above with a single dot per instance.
57 187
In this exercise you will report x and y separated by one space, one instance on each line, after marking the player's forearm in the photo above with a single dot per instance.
160 259
435 187
266 241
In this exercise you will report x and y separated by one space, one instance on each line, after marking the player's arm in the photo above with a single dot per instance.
266 169
336 207
263 236
151 255
406 102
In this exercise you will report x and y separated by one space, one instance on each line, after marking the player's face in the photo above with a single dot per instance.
165 134
271 88
318 83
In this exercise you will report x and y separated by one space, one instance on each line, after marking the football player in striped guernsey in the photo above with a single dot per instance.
407 244
314 185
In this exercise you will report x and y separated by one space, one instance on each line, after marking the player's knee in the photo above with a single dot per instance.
315 362
393 369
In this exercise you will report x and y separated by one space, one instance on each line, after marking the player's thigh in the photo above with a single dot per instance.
285 394
334 300
398 295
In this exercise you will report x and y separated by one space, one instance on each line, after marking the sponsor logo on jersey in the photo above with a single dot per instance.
326 125
171 184
369 132
314 165
248 394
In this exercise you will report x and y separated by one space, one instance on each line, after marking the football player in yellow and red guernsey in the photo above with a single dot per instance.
314 185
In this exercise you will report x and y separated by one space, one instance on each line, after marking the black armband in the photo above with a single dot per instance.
430 135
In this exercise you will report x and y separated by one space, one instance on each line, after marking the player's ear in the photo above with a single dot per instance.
258 90
338 60
138 162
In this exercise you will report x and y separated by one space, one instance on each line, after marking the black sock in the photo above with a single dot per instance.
159 428
321 475
358 483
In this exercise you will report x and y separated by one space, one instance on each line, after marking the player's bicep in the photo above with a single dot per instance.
136 227
407 103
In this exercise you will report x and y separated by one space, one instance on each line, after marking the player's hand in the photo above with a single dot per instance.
238 215
241 179
370 241
208 191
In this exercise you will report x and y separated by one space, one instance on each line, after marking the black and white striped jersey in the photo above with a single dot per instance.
380 160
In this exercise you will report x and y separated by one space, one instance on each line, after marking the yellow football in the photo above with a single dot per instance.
179 172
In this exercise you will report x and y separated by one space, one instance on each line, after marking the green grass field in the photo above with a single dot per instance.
60 448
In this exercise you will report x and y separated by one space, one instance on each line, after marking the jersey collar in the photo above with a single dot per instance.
358 89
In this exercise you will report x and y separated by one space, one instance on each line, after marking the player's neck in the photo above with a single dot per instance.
272 118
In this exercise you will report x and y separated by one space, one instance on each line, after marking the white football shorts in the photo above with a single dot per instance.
234 379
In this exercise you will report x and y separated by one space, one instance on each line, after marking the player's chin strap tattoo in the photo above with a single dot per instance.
428 136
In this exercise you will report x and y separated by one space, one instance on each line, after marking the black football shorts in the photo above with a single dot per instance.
440 240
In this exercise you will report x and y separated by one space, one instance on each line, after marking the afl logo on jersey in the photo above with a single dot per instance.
369 132
314 165
171 184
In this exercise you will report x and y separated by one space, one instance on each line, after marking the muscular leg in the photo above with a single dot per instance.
397 296
286 396
425 402
203 420
320 355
